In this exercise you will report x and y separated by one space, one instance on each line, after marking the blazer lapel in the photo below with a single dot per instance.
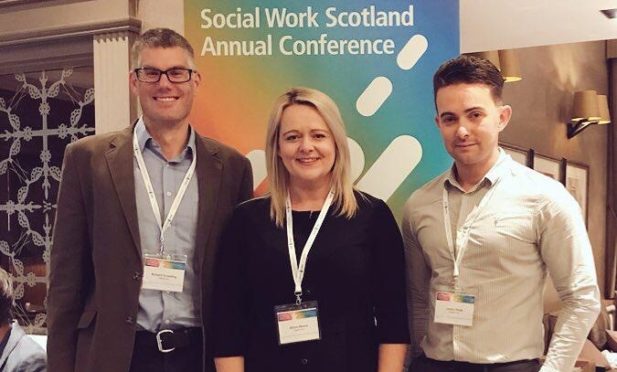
209 177
120 162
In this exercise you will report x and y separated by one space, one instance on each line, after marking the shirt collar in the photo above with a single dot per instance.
143 136
492 176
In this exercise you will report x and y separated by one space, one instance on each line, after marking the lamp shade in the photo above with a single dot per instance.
490 55
605 115
585 105
510 68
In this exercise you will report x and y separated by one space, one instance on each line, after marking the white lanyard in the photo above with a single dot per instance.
297 270
462 241
150 190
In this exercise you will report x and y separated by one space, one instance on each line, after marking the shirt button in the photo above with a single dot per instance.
168 193
167 321
136 275
129 320
304 361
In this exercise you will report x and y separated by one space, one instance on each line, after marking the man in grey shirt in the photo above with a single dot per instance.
139 216
18 352
481 238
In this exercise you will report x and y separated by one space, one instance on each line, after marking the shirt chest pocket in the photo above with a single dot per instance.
505 232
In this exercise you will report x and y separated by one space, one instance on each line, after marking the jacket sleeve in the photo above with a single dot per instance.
70 269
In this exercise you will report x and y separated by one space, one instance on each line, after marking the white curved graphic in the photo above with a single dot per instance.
258 163
357 158
392 167
411 52
374 96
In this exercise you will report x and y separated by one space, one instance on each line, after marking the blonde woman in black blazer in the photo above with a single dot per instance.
354 277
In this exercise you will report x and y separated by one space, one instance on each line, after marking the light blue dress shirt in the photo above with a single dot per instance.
158 309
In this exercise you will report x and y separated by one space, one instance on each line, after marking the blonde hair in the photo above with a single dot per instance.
344 199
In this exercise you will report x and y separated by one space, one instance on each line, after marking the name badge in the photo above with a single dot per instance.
164 273
454 308
297 323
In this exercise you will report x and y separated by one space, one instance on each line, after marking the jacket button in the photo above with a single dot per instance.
304 361
136 275
308 292
129 320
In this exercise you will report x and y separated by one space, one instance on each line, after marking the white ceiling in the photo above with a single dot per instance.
509 24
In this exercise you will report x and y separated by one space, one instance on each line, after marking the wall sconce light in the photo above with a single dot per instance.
491 55
605 115
588 108
505 60
510 68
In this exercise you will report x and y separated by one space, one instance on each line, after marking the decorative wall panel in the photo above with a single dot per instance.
40 113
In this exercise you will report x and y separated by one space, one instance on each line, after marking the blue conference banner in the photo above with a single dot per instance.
375 59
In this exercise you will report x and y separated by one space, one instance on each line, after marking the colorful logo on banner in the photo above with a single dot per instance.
375 59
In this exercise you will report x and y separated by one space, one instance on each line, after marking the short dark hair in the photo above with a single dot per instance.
469 70
160 38
6 297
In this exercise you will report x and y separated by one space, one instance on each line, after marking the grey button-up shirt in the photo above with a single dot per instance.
530 226
157 309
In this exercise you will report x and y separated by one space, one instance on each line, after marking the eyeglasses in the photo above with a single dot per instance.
153 75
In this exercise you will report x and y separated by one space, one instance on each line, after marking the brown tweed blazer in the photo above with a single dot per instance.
96 264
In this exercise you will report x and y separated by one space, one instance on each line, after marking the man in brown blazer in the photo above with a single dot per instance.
138 220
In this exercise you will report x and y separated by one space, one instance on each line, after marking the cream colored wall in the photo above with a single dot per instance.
542 104
162 13
503 24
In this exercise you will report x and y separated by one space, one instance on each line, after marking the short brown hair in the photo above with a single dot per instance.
160 38
469 70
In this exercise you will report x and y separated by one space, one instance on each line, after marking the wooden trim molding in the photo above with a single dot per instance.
130 24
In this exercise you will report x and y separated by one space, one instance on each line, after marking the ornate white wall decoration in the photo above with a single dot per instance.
40 113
